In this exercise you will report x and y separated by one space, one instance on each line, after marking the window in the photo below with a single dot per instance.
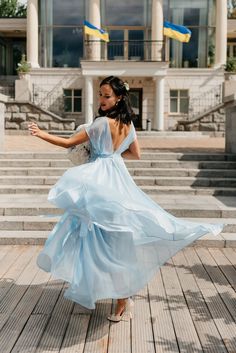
179 101
72 100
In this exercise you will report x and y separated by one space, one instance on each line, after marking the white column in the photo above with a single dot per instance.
88 99
95 19
32 33
157 29
158 119
2 125
221 33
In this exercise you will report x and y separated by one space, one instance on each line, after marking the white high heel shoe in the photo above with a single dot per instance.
126 313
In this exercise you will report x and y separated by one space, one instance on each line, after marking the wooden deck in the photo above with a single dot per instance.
189 306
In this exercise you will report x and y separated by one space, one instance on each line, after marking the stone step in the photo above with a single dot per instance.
188 156
33 155
188 190
153 189
46 223
31 171
178 172
146 154
139 180
25 163
184 210
182 172
29 237
168 164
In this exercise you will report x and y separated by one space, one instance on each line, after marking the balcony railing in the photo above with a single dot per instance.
137 50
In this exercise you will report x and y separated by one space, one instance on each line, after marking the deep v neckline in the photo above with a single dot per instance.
115 150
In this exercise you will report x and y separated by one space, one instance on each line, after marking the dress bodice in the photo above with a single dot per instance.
101 140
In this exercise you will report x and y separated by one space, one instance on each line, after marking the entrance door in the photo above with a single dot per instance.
136 98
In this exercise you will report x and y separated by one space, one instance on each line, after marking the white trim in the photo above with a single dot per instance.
124 68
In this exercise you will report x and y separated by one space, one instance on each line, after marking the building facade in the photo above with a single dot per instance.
167 78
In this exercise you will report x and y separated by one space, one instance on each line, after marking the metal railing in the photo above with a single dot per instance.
205 103
137 50
49 100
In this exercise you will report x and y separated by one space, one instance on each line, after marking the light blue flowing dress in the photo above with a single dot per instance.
112 237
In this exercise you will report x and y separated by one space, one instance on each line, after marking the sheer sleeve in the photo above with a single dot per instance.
99 136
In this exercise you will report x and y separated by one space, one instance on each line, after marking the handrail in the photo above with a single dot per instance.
204 104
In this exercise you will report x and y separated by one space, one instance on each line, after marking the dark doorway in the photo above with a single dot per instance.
136 98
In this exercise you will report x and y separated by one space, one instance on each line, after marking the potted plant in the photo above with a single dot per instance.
23 67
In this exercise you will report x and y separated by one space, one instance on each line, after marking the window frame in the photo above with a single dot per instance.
178 97
72 97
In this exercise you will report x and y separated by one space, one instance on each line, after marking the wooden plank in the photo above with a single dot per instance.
97 335
13 273
223 287
230 253
225 266
50 295
119 336
11 257
15 288
163 329
207 331
13 327
4 251
221 316
53 335
31 335
187 336
141 326
74 340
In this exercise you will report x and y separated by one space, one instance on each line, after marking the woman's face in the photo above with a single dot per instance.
107 97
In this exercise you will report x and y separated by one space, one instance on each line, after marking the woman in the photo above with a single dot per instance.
112 237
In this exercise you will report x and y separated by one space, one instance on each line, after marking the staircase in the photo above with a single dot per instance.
198 186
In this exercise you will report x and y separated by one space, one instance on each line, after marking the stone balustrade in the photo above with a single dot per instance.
18 116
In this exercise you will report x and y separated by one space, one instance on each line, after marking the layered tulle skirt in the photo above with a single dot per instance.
112 238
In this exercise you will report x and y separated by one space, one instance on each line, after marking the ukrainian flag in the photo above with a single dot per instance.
94 31
181 33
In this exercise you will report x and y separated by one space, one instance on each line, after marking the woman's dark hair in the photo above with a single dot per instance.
122 110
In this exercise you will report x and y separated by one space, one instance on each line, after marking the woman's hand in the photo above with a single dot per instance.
34 129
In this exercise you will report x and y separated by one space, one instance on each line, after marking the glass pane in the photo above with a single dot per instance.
136 50
18 48
77 104
184 105
173 93
67 47
183 93
173 105
115 48
68 12
67 92
234 50
193 49
77 92
126 13
67 105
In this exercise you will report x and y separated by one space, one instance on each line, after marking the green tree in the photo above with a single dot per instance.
11 8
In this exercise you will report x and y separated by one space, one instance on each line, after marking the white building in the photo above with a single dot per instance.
165 76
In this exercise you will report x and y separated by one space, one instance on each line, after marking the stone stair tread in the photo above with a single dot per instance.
39 237
45 218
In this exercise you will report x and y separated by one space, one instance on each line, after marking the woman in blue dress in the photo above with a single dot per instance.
112 237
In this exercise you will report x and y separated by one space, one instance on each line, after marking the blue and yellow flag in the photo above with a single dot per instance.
94 31
181 33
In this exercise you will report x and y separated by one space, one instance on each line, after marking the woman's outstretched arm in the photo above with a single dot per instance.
133 152
56 140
